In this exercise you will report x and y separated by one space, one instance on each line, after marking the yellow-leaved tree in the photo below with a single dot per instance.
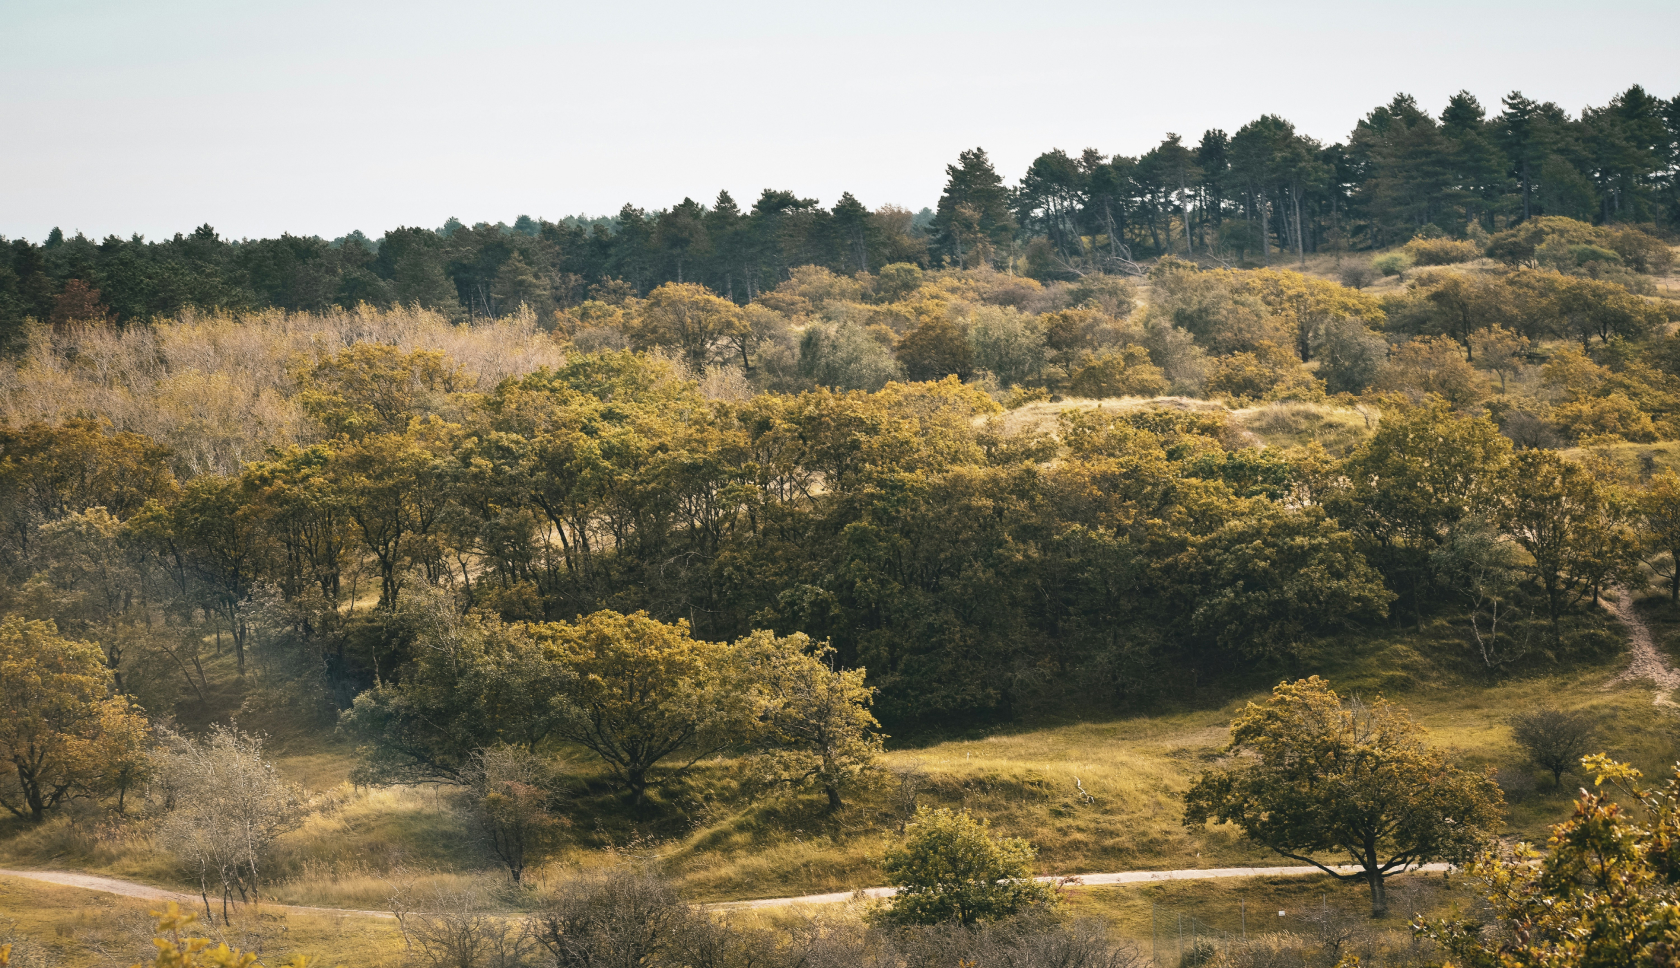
816 726
644 692
61 733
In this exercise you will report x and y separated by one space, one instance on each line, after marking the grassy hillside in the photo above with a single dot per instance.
1093 795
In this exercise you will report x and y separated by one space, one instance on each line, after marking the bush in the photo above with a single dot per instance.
846 358
1554 740
1265 373
1358 275
1349 355
1126 373
949 870
1441 252
1393 264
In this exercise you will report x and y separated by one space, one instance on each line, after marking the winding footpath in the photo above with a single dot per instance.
1647 663
112 885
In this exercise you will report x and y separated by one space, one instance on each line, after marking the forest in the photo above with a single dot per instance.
533 583
1257 195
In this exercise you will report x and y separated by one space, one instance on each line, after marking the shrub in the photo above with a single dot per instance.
950 870
1441 252
1393 264
1358 275
1554 740
1432 364
1267 372
1126 373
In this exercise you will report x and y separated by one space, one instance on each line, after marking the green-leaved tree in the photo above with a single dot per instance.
1313 776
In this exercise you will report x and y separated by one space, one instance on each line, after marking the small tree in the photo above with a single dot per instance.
1553 739
514 793
817 728
949 869
228 807
1319 776
643 692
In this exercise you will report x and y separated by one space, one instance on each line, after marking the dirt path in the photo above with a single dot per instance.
1085 880
1648 664
113 885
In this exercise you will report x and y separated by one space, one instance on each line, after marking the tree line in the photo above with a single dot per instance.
1264 193
971 571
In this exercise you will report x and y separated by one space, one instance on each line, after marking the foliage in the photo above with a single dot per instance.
1602 893
949 869
1441 252
475 683
1277 577
815 720
642 691
1431 365
1351 779
1392 264
1576 529
61 734
1124 373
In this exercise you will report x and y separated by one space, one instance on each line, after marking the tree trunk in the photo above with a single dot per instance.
1379 891
834 803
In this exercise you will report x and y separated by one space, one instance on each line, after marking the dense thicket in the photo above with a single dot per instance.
1264 192
971 570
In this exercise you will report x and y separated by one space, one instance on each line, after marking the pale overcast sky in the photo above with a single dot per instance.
322 117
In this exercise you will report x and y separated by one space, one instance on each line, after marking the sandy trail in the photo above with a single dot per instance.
113 885
1648 663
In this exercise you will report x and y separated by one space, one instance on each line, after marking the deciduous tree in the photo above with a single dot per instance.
1317 776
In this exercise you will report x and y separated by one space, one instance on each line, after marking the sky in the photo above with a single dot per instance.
317 118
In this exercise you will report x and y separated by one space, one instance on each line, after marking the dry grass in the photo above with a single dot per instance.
1043 416
1294 423
75 928
218 388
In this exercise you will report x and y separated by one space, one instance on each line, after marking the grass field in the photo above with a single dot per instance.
67 927
1093 796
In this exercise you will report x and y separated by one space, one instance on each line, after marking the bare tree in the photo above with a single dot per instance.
614 919
227 808
514 793
455 929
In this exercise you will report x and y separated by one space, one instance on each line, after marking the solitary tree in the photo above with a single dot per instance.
228 807
1555 740
949 869
1319 776
514 795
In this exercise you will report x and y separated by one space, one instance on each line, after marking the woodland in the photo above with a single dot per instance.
534 582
